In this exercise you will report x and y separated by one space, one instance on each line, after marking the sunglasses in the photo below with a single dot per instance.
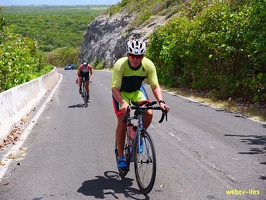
132 56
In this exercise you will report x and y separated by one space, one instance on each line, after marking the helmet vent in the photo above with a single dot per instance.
136 47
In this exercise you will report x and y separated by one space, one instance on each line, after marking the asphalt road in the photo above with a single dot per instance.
202 152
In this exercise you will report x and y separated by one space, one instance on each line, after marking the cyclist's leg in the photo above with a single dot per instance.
88 87
87 78
147 115
88 90
80 83
147 118
120 135
120 129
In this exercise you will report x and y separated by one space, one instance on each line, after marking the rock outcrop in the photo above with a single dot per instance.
106 37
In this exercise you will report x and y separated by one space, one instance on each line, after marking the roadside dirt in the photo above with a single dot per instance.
246 109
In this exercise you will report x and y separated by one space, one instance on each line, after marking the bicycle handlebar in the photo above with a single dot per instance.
145 106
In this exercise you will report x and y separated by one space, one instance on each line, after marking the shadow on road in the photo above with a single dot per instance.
258 146
77 106
110 184
253 140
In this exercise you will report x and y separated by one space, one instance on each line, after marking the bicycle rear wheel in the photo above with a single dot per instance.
145 163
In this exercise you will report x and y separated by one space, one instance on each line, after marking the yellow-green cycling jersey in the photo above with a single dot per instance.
129 80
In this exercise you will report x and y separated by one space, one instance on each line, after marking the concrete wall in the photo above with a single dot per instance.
17 102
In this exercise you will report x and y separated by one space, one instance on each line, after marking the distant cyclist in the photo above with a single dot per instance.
84 70
127 77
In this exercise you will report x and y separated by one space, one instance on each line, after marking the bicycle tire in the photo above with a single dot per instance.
122 173
145 163
84 95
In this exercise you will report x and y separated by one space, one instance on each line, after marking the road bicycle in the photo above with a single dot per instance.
140 150
84 94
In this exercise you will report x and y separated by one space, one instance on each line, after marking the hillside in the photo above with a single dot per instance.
108 32
215 49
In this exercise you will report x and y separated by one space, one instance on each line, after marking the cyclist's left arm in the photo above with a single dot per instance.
157 92
153 79
156 89
91 73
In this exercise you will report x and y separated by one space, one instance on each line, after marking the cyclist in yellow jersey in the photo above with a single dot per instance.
127 77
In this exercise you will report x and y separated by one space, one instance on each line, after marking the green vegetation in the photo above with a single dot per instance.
20 60
218 48
62 56
32 38
213 48
145 8
52 26
97 64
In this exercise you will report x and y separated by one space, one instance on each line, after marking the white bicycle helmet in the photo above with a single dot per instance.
84 62
136 47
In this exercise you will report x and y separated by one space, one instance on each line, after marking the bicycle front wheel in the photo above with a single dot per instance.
85 95
145 163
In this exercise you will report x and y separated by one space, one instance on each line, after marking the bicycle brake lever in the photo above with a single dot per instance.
164 115
162 118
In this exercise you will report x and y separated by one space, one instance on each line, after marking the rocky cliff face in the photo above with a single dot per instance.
106 36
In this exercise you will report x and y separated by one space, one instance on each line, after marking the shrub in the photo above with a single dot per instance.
63 56
218 47
20 60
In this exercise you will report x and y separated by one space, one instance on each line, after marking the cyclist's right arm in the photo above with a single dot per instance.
117 76
117 95
79 69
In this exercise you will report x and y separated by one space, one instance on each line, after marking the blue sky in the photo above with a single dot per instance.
58 2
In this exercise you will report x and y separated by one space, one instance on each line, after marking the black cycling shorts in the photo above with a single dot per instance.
86 75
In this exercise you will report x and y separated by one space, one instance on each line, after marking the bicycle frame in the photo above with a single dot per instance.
139 117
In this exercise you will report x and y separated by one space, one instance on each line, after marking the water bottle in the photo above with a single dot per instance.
133 133
129 133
